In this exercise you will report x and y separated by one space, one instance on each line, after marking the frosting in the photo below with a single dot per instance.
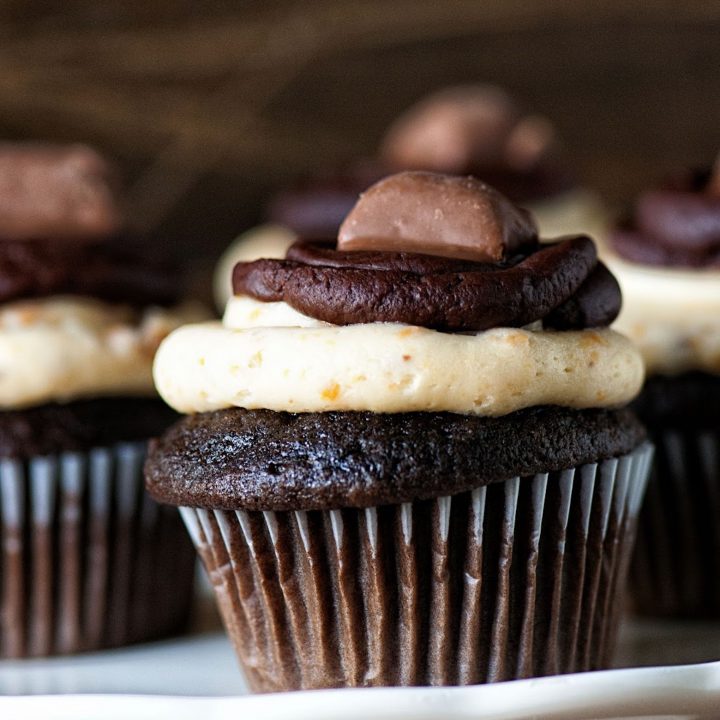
672 314
570 213
561 283
325 329
62 348
387 367
110 271
677 226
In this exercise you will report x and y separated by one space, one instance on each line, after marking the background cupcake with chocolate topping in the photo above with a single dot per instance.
667 259
81 315
408 460
479 130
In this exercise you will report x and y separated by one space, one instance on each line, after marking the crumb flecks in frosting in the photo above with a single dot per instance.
315 369
61 348
673 315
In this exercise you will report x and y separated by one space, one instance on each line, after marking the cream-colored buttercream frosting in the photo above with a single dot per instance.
64 348
263 241
267 355
672 314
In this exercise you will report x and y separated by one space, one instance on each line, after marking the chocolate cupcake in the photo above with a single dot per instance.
478 130
667 259
408 461
483 131
81 315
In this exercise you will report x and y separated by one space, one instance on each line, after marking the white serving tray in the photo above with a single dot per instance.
197 678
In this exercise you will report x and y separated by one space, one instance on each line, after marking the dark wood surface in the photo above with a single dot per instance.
208 106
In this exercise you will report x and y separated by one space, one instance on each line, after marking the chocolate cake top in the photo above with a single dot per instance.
264 460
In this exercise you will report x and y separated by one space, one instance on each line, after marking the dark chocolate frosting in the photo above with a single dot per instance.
675 225
265 460
111 271
562 284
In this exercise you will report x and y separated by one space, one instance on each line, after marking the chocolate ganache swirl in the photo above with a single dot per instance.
561 284
113 271
442 252
676 225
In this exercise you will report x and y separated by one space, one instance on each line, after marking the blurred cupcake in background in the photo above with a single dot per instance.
481 130
478 130
81 315
407 458
666 257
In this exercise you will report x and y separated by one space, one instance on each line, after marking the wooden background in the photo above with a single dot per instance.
209 105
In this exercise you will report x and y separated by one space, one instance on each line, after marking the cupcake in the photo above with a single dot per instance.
482 130
469 129
667 259
407 459
81 316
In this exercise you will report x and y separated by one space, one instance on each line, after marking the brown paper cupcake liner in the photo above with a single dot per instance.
88 560
676 566
517 579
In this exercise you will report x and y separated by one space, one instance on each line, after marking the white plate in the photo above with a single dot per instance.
196 678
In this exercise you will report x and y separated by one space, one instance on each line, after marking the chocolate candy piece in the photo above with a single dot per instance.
436 292
466 128
55 191
453 131
456 217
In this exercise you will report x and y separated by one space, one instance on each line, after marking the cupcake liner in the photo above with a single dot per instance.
88 560
516 579
676 567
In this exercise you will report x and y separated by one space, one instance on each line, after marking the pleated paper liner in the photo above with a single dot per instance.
676 567
88 560
518 579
